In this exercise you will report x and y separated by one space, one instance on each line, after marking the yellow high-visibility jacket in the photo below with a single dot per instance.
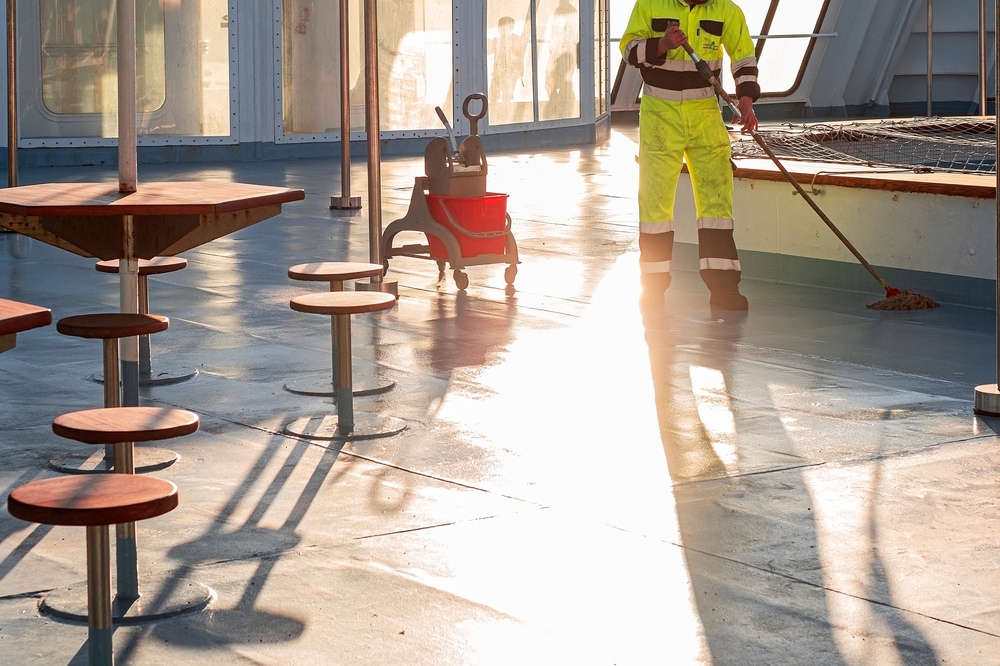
709 27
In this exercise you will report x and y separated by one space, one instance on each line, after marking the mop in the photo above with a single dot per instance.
895 299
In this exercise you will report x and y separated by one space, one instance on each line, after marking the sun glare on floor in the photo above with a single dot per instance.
715 411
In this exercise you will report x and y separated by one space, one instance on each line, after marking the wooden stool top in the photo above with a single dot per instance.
334 271
16 317
343 302
110 425
92 499
152 266
109 325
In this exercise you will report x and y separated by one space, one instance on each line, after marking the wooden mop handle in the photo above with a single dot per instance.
706 72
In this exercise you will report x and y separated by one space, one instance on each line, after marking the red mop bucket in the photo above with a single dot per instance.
478 223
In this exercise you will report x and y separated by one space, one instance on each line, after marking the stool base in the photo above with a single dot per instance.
366 426
162 376
386 286
363 383
185 596
147 459
345 203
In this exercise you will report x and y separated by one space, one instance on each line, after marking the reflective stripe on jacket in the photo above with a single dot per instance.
709 27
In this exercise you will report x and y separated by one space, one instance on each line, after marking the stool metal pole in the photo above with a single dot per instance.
345 391
335 285
145 351
99 629
126 552
112 390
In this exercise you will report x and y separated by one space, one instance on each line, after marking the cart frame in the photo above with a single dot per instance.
418 218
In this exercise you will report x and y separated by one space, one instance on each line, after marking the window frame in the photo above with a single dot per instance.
806 56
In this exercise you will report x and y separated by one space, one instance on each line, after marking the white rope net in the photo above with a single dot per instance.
966 145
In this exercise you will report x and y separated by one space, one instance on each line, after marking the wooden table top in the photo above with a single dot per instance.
169 217
16 316
152 198
92 499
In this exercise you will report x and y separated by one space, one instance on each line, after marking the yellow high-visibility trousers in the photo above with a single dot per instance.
671 133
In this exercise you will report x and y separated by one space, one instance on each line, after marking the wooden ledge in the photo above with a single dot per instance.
870 178
92 499
343 302
110 325
111 425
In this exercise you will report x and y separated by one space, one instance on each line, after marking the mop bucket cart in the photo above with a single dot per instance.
464 224
462 231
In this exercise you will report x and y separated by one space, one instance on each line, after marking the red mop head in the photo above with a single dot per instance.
903 300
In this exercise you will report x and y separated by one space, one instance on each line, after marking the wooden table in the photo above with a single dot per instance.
16 317
160 219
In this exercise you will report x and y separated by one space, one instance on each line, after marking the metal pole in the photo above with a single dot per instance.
930 57
127 580
345 201
373 132
987 396
126 97
982 58
99 632
345 386
12 93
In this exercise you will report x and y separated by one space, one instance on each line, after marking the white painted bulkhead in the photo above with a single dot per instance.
923 233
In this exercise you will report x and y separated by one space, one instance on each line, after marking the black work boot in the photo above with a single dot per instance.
653 287
725 292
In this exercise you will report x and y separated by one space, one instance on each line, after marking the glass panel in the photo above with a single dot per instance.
781 59
415 63
310 67
558 60
79 66
508 61
80 58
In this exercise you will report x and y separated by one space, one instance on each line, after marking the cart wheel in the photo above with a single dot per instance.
510 273
440 270
461 280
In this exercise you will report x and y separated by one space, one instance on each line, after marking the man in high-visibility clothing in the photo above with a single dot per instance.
680 119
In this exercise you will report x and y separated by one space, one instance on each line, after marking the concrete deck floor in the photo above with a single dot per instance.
578 483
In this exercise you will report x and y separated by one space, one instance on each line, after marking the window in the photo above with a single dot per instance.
532 67
415 63
78 68
80 56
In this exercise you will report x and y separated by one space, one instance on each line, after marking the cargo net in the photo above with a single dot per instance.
965 145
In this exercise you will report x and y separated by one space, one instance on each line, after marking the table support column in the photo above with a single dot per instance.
127 580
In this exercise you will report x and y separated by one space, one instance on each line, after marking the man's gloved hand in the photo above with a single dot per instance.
671 39
748 117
